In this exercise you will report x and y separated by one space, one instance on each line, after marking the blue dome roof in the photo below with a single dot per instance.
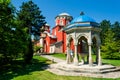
83 18
82 21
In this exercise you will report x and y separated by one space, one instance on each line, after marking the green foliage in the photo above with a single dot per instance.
110 39
29 54
110 48
11 44
5 1
104 25
36 48
116 30
31 19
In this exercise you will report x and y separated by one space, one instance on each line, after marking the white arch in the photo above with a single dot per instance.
97 37
84 35
50 35
68 39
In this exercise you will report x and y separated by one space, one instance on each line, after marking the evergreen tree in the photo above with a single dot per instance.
5 20
104 25
31 18
110 48
11 44
116 30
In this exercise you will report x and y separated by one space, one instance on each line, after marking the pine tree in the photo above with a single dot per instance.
31 18
104 25
116 30
11 44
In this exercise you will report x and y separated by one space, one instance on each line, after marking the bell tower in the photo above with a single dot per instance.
63 19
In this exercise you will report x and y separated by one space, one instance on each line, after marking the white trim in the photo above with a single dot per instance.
50 35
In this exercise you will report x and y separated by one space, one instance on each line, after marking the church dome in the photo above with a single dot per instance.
82 21
83 18
64 14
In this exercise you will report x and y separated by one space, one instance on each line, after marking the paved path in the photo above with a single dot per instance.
54 59
54 70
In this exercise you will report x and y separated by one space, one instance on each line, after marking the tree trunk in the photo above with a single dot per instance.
29 54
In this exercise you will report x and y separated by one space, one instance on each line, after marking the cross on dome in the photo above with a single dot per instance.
81 13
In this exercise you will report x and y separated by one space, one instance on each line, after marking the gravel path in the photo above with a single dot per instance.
54 70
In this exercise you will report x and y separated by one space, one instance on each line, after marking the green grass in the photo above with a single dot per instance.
112 62
59 55
19 68
20 71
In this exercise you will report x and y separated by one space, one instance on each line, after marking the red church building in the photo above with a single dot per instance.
55 42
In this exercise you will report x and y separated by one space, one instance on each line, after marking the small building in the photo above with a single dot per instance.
82 35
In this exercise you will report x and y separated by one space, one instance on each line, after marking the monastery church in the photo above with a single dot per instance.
69 32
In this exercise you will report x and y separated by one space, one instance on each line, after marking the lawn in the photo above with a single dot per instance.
59 55
34 71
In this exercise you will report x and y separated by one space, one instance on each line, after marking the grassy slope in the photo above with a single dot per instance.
19 71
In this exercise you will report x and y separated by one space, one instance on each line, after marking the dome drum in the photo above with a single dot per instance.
66 15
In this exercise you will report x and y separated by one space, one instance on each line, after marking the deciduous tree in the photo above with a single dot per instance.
110 48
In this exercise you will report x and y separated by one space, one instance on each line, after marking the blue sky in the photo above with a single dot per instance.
97 9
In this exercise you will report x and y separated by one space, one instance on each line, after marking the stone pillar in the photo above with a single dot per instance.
68 60
90 55
75 56
99 57
41 44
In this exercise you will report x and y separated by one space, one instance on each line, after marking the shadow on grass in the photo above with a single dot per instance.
19 68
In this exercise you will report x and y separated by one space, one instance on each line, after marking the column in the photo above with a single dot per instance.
41 44
41 41
99 57
68 56
75 56
90 55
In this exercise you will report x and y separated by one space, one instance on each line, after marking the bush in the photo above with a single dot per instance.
36 48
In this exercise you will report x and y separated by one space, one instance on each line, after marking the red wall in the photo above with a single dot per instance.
71 44
64 42
48 41
79 47
47 44
59 34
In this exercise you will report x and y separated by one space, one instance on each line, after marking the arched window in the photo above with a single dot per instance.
61 22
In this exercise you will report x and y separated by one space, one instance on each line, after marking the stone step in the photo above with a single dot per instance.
86 68
89 70
110 70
